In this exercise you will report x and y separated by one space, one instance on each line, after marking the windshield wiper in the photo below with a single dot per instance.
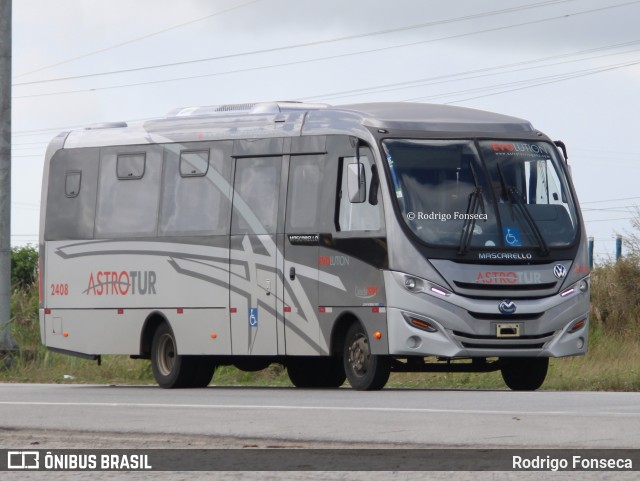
476 202
512 193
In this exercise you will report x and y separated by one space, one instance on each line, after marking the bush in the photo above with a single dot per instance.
24 266
615 296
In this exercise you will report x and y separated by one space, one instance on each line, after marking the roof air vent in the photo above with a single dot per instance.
107 125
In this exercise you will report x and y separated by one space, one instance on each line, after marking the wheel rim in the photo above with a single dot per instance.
359 355
166 354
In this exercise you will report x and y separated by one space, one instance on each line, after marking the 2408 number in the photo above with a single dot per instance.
59 289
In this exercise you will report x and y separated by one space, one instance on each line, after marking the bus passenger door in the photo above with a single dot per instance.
301 249
253 255
354 254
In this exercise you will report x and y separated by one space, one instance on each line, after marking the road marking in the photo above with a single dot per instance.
319 408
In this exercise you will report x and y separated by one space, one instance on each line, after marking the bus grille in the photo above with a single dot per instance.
503 287
475 341
506 345
490 316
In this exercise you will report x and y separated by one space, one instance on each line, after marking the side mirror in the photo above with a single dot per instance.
357 183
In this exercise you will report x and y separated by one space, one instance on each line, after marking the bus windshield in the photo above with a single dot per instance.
466 194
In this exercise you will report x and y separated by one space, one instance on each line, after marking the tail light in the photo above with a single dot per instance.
40 281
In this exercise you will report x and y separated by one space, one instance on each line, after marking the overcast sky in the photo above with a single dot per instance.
571 67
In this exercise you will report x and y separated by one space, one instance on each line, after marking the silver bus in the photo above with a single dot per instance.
344 242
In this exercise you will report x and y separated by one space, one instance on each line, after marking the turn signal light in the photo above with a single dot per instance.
577 326
420 324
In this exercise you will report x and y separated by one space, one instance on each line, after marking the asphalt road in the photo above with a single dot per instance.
89 416
406 417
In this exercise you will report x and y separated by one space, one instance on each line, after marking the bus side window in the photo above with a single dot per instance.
72 183
71 196
131 166
194 163
305 177
196 190
255 195
128 191
363 216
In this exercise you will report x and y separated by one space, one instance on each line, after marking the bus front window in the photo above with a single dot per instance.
501 193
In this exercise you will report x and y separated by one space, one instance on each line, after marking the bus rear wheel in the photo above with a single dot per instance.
174 371
365 371
524 373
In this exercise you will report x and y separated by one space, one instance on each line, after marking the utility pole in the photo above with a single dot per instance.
7 345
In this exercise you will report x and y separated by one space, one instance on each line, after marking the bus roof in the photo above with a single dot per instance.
433 117
284 119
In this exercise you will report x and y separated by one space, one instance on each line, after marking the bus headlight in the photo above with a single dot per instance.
417 285
410 283
583 285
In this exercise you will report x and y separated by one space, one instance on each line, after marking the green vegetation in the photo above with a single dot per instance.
612 363
24 265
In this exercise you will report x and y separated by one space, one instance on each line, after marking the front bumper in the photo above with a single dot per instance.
467 327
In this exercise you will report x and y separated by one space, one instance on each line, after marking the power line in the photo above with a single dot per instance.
305 44
536 81
469 74
25 204
28 145
558 78
144 37
554 78
331 57
442 77
25 147
45 131
602 151
539 81
608 220
48 130
612 210
13 144
608 200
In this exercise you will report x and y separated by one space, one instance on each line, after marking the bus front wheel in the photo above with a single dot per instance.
365 371
524 373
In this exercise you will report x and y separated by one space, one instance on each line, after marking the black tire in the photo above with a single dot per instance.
316 372
365 371
336 376
170 369
524 373
203 369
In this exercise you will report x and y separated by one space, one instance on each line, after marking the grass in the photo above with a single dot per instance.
612 363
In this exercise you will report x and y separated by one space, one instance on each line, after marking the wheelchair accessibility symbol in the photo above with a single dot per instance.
512 236
253 317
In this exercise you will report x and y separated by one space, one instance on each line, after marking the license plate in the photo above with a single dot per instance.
508 330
